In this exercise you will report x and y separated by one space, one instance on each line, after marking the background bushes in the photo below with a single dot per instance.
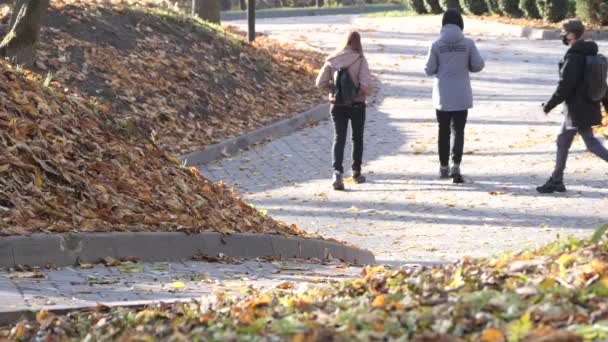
594 12
476 7
494 7
529 9
555 10
433 6
445 4
417 6
510 8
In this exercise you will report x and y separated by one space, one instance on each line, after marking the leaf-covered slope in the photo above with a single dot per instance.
193 83
555 293
70 164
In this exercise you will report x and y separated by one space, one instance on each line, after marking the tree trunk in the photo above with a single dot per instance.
19 44
207 10
243 5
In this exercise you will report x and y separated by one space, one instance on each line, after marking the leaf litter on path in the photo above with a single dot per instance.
555 292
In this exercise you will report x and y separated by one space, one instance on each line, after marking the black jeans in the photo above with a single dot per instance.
340 116
451 124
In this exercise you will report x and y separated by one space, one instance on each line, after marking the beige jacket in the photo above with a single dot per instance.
358 70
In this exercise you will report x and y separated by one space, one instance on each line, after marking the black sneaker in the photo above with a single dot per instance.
456 175
551 186
457 178
338 184
444 172
358 178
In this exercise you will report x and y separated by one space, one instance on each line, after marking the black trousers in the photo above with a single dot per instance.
340 116
451 128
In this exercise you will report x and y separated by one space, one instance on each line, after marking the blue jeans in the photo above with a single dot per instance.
564 141
340 116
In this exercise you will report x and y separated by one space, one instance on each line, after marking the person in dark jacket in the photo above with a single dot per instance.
580 112
451 58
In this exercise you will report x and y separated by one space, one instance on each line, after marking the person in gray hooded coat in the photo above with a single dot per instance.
450 59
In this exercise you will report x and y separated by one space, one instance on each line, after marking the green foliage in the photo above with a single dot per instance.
571 9
476 7
520 329
599 233
510 8
494 7
433 6
596 332
530 9
555 10
446 4
594 12
47 80
418 6
604 12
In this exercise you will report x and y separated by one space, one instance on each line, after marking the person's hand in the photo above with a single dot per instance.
331 98
545 109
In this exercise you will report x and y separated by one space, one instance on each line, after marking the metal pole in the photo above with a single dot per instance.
251 20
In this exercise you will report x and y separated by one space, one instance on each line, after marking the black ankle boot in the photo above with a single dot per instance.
358 178
338 184
551 186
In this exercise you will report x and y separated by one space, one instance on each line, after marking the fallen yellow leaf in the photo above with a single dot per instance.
178 285
379 301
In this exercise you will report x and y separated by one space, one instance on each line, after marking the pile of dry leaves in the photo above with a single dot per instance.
192 83
554 293
68 163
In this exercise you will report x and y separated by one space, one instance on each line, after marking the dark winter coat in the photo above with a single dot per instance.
571 88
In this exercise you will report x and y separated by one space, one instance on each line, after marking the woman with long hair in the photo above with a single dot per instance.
346 66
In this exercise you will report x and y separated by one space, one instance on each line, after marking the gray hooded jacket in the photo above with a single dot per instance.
450 59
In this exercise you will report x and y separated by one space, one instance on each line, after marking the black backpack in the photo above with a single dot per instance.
345 90
596 72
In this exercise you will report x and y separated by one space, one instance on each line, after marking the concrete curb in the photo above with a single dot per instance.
306 12
66 249
549 34
536 33
233 145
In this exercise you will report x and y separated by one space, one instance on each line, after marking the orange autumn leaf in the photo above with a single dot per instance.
379 301
492 335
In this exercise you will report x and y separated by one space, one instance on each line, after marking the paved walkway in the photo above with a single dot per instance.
73 287
405 212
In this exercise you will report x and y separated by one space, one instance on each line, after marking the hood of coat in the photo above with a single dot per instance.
583 47
451 34
344 58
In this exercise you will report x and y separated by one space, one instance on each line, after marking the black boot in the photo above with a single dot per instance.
551 186
338 184
456 175
444 172
358 178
